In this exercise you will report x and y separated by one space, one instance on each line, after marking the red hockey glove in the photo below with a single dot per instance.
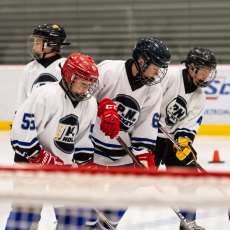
45 158
146 158
110 122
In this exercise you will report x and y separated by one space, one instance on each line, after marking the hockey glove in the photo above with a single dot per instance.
45 158
185 155
145 158
110 122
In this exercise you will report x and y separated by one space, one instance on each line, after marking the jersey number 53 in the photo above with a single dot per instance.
28 121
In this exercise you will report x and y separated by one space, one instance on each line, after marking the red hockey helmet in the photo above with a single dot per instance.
79 65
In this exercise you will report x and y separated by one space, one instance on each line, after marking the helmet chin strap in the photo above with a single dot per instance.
141 68
40 56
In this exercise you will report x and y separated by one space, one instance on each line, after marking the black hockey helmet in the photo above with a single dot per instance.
153 51
53 34
201 57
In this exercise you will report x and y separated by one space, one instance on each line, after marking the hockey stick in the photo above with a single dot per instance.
138 163
104 219
194 162
126 148
184 221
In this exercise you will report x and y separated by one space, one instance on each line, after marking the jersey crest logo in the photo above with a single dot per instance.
176 111
43 79
66 133
128 110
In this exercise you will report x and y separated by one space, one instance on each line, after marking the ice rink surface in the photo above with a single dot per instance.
148 218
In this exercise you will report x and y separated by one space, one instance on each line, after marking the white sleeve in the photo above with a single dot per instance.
189 126
22 92
146 129
102 73
29 120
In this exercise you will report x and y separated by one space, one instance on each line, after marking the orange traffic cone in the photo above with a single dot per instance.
216 157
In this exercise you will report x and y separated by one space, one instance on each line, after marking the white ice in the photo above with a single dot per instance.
149 218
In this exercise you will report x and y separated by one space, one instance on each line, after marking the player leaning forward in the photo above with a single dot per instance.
134 87
182 109
55 121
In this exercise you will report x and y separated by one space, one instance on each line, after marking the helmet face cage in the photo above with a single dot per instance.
84 96
157 79
53 35
80 66
211 77
202 58
153 51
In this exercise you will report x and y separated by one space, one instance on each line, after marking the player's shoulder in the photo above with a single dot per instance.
92 102
154 91
89 106
110 70
32 63
110 64
173 77
174 71
49 90
199 93
198 99
59 61
48 96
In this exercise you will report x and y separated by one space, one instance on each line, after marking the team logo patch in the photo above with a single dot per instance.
67 130
128 110
176 111
43 79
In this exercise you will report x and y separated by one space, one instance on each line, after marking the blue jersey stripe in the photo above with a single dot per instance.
25 144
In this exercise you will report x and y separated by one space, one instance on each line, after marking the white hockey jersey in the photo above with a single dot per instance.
181 109
36 75
138 110
49 119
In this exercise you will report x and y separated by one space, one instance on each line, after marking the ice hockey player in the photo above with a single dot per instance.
134 87
47 41
51 125
181 112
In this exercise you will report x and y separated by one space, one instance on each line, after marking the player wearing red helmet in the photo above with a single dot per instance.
55 121
61 104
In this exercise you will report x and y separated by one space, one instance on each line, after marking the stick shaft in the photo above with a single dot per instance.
126 148
195 163
104 219
124 145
